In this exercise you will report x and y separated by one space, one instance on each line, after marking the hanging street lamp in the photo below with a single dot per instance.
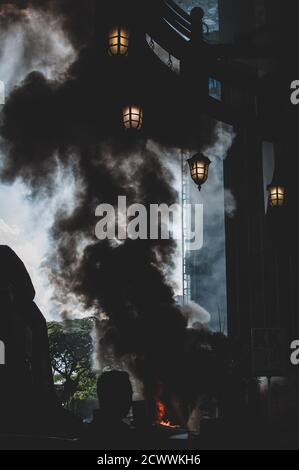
118 41
276 194
133 117
199 169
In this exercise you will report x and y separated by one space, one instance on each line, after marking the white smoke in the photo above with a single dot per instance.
194 313
25 225
230 203
209 263
222 140
34 42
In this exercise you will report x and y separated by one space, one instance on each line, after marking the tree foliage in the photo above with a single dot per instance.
70 352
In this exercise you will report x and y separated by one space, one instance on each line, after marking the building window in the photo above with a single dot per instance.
215 89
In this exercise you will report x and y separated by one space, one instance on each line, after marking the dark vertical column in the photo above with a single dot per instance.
236 18
245 231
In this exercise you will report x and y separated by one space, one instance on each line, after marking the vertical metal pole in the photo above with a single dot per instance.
186 280
183 221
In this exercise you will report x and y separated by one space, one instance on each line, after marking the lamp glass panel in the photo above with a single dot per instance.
132 117
199 171
118 41
277 195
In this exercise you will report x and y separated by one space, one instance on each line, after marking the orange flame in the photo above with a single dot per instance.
161 416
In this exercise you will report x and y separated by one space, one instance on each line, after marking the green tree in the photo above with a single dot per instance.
70 352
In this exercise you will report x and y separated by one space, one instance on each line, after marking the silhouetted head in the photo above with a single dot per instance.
115 394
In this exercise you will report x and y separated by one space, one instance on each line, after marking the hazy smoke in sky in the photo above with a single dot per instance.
49 125
25 225
222 141
230 203
209 264
195 314
32 40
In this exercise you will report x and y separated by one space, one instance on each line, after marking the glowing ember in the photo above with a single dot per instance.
162 418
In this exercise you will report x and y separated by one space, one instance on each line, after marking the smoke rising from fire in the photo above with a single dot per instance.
50 121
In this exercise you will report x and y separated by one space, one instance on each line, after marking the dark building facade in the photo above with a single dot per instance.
261 243
251 59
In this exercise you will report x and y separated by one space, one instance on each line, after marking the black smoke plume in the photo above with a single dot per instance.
72 121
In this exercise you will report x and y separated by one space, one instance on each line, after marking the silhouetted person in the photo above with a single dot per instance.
108 430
